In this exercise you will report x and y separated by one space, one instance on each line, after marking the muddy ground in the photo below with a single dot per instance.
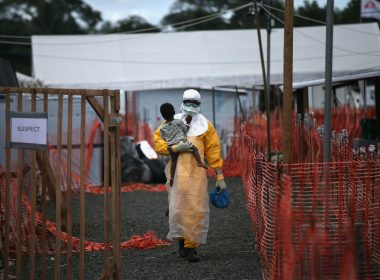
229 253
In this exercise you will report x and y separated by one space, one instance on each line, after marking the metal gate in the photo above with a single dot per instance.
28 177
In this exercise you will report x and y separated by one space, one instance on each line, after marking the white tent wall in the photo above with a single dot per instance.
202 59
96 167
154 63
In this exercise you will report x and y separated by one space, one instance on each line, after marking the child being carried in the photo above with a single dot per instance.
174 131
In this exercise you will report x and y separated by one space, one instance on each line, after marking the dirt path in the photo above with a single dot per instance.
228 254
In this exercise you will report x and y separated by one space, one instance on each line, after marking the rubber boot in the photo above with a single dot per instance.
192 255
182 252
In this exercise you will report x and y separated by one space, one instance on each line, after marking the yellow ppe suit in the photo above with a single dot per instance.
188 197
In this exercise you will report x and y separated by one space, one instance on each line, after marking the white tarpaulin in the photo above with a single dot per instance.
201 59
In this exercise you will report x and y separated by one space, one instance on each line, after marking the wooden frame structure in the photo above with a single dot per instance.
51 182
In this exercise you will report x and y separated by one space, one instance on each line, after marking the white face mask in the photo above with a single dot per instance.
190 110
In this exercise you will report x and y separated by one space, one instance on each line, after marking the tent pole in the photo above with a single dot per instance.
267 109
240 105
267 94
288 83
377 105
328 81
213 107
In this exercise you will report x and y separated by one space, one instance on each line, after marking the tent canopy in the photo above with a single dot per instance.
202 59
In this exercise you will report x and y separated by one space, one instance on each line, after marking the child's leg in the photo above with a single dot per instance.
198 158
174 157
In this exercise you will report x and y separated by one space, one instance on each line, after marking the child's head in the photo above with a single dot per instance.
167 111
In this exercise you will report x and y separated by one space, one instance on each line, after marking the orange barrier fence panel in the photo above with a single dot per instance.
314 220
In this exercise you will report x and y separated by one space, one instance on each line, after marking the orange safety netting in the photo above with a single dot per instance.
314 220
128 188
93 137
145 241
140 130
306 141
346 118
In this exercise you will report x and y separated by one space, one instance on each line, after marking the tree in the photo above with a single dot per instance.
188 10
130 24
350 14
347 15
25 18
310 10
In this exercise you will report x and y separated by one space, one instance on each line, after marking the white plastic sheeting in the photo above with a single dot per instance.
200 59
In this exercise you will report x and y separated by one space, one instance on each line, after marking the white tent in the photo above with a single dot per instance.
202 59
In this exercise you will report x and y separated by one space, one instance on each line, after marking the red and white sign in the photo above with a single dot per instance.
370 9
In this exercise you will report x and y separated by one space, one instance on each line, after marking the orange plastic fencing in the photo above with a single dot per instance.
307 143
93 137
306 136
314 220
346 118
145 241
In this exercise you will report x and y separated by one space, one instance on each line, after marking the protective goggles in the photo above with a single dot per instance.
192 102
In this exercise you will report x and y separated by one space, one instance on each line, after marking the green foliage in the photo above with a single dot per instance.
21 17
347 15
351 14
129 24
181 14
47 17
310 10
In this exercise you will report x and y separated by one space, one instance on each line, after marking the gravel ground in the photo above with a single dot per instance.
228 254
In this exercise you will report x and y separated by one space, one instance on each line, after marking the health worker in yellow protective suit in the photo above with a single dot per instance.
188 197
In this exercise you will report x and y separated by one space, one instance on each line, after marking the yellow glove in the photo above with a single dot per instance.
182 147
220 183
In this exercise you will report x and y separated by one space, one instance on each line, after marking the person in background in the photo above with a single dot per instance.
174 131
188 196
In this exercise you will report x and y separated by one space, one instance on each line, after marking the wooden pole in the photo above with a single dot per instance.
20 156
377 105
44 166
80 92
118 183
7 184
82 180
115 182
69 183
288 82
32 245
106 181
114 203
58 198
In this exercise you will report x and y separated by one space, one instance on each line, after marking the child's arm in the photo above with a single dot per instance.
188 121
184 127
